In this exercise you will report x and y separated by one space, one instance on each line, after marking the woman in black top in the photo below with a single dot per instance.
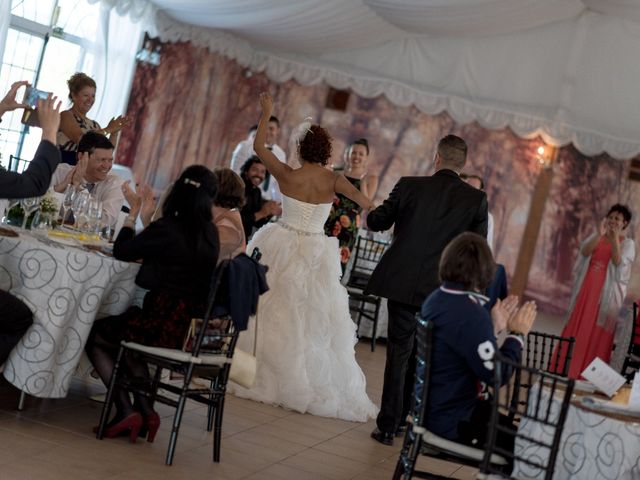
179 254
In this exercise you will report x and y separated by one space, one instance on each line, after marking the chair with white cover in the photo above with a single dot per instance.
210 357
491 459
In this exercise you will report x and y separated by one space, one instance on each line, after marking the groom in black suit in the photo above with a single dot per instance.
427 212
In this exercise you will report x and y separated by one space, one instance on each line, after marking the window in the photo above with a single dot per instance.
47 41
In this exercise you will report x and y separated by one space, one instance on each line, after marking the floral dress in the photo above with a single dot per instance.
344 222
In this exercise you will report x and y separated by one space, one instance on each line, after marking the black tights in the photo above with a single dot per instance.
102 355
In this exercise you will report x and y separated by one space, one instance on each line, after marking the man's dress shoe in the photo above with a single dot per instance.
386 438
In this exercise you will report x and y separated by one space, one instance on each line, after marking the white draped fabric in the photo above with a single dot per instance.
563 69
120 30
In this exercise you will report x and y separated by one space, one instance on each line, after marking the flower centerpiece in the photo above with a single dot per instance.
49 210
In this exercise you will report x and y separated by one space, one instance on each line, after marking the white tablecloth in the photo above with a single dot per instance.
592 446
67 288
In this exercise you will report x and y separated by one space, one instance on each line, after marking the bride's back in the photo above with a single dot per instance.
311 183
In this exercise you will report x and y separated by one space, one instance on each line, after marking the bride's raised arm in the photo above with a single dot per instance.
275 167
346 188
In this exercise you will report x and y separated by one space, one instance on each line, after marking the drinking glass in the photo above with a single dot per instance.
81 210
67 204
12 202
42 223
29 205
95 216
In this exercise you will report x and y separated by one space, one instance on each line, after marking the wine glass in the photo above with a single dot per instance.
12 202
29 205
67 203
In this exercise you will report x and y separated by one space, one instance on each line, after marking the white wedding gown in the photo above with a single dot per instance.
306 338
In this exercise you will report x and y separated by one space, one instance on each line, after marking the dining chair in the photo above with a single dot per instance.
418 440
547 403
367 255
209 357
545 352
15 163
631 364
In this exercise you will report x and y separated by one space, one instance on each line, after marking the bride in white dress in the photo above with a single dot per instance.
306 338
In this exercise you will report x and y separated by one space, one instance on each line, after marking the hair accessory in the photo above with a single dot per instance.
301 130
188 181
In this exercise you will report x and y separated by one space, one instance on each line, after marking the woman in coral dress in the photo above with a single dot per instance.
602 273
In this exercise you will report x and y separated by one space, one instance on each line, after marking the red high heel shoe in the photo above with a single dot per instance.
152 422
132 422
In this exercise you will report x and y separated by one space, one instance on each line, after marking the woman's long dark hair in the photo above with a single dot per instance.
190 201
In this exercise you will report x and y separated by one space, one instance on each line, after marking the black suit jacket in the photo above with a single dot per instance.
428 212
34 181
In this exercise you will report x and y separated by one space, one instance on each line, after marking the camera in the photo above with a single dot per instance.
31 96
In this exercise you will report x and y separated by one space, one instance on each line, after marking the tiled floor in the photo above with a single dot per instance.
52 439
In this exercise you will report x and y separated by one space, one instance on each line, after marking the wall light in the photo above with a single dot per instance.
544 155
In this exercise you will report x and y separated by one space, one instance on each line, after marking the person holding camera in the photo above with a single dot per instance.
15 316
74 123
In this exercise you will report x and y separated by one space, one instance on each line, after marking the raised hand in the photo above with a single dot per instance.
603 228
132 197
49 116
78 172
9 101
266 102
117 124
502 312
522 321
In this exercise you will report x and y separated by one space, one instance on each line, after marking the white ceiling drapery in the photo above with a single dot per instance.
563 69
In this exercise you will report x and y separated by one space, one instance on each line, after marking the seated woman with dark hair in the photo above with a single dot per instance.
464 339
179 253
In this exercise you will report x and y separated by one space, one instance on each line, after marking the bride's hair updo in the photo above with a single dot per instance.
315 147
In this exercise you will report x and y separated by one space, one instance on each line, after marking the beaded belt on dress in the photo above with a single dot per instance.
301 232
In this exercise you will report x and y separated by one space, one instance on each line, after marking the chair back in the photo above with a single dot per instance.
216 334
631 362
424 343
17 164
545 352
545 412
215 326
367 255
549 353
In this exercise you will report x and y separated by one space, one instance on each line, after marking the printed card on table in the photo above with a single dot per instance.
605 378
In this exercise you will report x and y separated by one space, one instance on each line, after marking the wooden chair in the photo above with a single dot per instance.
492 458
418 440
547 403
367 255
545 352
631 363
17 164
210 358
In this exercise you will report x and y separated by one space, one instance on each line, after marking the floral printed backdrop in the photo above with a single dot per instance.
197 105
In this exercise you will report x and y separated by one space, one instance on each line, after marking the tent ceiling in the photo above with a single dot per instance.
566 69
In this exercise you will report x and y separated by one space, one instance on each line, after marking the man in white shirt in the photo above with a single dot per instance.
93 173
244 150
